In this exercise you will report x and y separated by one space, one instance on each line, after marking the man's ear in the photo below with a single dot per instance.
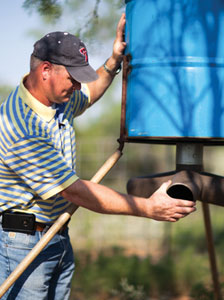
46 69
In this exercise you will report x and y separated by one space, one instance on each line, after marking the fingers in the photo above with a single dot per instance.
164 186
186 203
176 217
119 44
186 210
173 220
121 26
181 213
180 216
166 208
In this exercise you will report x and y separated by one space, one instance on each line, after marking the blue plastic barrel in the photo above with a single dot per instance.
175 89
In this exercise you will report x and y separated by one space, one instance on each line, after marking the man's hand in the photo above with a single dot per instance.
165 208
98 87
119 44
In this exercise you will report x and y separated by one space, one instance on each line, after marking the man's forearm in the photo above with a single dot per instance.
106 75
159 206
101 199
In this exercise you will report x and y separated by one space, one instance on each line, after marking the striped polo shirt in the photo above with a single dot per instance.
37 153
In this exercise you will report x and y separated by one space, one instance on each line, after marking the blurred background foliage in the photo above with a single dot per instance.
120 257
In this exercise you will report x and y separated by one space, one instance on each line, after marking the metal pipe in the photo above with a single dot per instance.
189 154
185 185
211 251
202 186
126 69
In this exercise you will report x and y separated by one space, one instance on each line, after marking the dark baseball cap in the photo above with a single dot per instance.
63 48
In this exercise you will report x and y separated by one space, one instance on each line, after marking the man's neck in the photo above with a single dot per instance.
33 86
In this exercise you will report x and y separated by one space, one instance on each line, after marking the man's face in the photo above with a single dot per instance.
61 85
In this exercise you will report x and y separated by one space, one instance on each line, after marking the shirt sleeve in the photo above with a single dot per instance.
40 166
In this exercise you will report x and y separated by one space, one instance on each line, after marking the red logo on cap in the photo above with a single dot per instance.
84 53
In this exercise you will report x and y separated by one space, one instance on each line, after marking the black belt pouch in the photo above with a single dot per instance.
18 222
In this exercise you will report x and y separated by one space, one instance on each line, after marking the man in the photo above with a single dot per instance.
37 164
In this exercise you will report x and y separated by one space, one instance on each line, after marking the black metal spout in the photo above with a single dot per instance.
185 184
180 191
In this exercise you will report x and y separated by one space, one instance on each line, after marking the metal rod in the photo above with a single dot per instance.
211 251
124 96
191 155
106 167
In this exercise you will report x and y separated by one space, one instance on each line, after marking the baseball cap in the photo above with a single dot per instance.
63 48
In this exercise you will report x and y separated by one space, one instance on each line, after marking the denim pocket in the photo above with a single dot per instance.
18 240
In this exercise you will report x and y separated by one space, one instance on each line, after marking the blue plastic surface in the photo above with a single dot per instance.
175 87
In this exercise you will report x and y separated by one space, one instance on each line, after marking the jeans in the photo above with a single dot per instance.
48 277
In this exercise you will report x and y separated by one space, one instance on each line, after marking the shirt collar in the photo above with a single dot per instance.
45 112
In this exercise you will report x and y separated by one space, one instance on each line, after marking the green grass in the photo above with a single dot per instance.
173 262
